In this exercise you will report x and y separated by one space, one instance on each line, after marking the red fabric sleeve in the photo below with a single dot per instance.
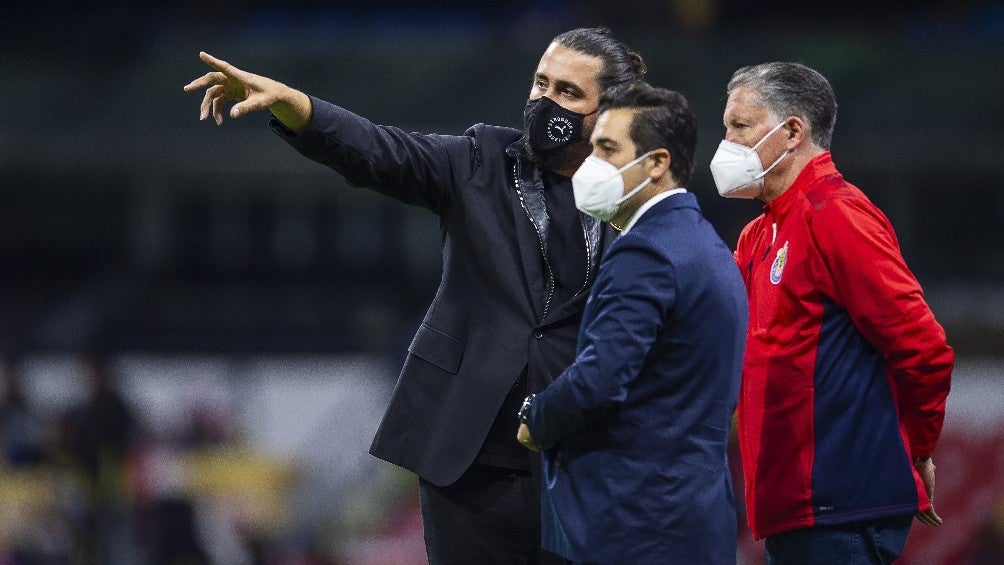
868 277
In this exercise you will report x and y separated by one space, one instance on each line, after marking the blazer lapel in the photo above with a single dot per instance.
528 202
599 235
529 189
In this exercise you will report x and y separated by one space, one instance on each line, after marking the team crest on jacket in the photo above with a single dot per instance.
777 267
559 129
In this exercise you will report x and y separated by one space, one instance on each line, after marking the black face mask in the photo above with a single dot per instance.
549 127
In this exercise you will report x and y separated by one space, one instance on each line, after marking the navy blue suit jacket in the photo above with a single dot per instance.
635 432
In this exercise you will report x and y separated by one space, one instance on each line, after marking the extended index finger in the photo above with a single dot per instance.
218 64
222 66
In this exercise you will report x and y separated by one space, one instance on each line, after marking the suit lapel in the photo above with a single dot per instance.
526 201
598 236
529 191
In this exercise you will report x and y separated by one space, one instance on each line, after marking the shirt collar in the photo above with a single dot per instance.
819 166
651 202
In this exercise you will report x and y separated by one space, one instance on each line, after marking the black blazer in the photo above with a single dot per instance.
492 316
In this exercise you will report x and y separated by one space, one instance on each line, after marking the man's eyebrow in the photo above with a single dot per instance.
560 84
606 143
564 84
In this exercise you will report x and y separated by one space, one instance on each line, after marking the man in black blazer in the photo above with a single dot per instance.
518 264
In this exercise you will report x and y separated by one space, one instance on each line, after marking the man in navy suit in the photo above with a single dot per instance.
634 432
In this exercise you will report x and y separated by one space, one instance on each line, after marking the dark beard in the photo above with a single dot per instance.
570 156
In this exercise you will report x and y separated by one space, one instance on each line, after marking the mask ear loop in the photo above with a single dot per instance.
768 134
643 184
778 160
772 165
622 169
635 162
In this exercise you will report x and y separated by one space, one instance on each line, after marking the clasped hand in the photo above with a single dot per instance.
523 437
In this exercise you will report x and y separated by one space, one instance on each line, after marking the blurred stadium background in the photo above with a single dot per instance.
201 328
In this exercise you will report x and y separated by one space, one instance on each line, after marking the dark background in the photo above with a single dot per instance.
127 223
253 309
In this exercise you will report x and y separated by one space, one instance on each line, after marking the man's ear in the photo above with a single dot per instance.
796 132
661 160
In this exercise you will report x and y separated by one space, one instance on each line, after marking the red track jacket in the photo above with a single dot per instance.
846 370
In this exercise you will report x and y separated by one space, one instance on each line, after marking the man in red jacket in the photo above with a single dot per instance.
846 370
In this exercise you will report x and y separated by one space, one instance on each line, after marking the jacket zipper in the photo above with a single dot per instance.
540 239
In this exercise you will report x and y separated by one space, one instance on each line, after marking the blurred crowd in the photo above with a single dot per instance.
97 478
93 483
64 474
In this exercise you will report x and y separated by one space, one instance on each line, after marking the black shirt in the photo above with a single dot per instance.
566 237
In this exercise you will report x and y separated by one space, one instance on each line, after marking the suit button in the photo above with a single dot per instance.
538 333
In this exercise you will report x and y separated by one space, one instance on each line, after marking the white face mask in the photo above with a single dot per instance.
737 170
599 188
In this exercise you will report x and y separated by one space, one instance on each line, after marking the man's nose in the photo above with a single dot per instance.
550 93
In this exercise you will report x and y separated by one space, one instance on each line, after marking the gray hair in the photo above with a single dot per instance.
792 89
